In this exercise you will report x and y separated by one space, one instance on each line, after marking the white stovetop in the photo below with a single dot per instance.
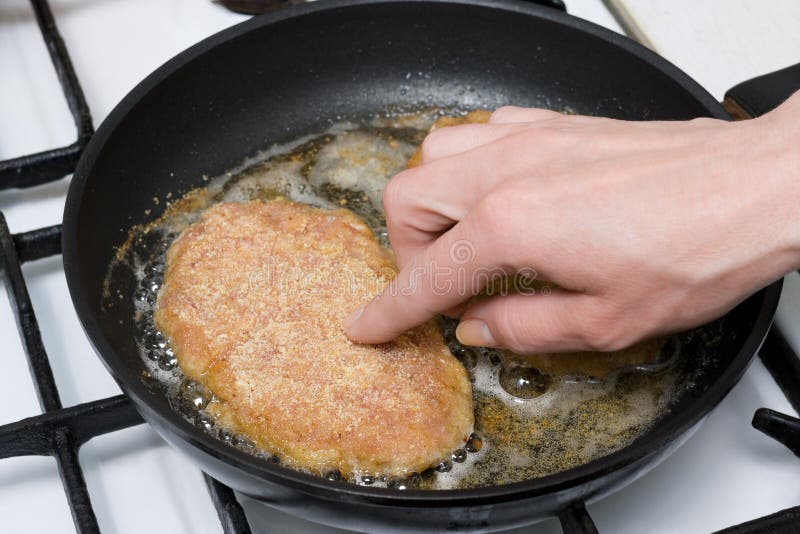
726 474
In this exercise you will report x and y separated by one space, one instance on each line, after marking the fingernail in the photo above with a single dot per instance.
352 318
475 332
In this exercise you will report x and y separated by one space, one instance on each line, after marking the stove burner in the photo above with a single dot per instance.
60 432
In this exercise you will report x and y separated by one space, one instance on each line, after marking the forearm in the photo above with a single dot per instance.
783 126
767 163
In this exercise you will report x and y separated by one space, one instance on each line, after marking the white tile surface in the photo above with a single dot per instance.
726 474
721 43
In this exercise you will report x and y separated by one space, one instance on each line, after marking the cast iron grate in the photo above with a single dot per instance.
50 165
60 432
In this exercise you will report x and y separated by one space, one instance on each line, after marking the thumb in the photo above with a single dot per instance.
527 323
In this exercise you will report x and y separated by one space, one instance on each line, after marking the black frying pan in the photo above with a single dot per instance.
289 73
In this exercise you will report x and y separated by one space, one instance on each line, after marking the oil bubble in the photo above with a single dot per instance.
225 435
154 269
151 282
444 466
204 422
143 295
405 483
522 382
143 328
167 364
474 443
155 340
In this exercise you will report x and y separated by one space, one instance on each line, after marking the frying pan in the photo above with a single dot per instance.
292 72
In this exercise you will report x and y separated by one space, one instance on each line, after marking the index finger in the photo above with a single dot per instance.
450 271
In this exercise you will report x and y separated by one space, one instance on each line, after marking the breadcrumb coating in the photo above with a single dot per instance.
253 301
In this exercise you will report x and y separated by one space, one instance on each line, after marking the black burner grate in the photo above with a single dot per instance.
783 365
60 432
50 165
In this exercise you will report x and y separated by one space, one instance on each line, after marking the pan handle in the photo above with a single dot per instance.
576 520
757 96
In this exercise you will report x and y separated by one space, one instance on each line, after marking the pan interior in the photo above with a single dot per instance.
534 416
213 107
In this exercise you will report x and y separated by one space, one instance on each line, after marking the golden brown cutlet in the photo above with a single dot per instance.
254 299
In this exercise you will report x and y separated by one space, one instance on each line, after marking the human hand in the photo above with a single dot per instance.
644 227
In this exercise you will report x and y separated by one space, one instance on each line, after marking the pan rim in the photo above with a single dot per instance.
657 437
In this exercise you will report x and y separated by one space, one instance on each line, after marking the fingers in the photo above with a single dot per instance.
439 279
423 202
508 120
513 114
461 164
452 140
528 323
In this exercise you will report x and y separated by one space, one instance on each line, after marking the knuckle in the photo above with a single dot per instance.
512 331
523 333
526 150
433 144
528 141
603 331
490 212
503 114
508 114
394 195
493 216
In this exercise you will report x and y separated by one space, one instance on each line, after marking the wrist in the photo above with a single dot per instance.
779 165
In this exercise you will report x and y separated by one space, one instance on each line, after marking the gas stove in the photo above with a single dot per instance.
117 474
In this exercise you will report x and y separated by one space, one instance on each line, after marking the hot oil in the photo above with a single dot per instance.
528 424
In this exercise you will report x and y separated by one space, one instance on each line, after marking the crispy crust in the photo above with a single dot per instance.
253 301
